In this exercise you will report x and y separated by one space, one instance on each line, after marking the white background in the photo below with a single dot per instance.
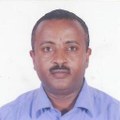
16 22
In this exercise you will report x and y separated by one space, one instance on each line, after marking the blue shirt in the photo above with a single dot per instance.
91 104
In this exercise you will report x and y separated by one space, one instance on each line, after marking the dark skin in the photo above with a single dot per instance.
60 58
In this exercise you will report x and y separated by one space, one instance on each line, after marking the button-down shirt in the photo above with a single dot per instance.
91 104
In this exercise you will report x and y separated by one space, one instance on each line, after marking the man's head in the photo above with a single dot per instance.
60 51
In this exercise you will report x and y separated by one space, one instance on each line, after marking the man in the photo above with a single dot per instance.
60 54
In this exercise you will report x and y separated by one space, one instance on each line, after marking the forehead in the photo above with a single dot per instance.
59 28
59 24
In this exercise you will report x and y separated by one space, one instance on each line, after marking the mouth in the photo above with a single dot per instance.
60 73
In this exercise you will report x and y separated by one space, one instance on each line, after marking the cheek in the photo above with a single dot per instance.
41 69
46 57
42 64
39 64
78 63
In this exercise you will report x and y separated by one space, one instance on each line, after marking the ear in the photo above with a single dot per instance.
32 54
88 53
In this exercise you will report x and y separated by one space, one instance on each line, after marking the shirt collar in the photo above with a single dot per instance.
85 99
40 101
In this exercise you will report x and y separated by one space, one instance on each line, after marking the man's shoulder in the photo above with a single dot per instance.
20 102
103 96
104 102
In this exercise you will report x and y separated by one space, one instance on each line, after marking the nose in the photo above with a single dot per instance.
60 58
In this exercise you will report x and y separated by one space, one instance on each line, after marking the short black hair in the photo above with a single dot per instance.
60 14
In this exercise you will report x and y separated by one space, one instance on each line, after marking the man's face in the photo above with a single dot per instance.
60 56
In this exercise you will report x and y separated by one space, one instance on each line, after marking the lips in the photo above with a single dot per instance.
60 71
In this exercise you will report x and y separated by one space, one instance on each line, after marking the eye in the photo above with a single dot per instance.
72 48
47 49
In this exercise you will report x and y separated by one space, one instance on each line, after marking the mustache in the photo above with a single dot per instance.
59 67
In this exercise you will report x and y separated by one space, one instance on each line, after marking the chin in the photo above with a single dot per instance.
62 87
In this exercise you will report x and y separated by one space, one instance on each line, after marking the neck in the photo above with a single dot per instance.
62 102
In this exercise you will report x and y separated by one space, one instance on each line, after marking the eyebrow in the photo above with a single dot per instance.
47 42
69 42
